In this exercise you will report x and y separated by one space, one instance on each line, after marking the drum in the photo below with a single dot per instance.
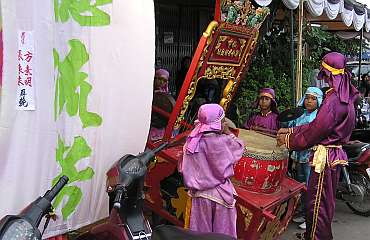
263 164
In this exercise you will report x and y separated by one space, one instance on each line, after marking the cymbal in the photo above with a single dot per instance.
290 114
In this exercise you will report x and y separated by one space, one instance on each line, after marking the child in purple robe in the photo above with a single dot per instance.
266 119
331 128
210 152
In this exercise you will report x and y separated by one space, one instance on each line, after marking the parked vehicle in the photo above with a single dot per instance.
354 186
25 225
126 198
355 68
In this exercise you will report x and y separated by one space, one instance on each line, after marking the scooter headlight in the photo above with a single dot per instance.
20 229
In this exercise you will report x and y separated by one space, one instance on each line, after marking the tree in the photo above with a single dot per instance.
271 66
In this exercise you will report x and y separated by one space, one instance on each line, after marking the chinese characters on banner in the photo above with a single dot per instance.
25 99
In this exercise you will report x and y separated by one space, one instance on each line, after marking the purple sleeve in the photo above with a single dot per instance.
236 147
224 154
306 136
250 122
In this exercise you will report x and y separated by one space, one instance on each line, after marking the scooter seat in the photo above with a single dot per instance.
355 149
167 232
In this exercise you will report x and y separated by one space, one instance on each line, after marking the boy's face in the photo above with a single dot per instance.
310 103
265 103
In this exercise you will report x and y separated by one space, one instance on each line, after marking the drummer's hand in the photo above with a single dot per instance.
280 139
283 131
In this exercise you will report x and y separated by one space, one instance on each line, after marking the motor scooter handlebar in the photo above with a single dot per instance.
41 206
146 156
51 194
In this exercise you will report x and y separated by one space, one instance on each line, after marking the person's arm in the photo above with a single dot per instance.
306 136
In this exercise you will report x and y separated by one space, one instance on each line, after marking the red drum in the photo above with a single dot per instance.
263 164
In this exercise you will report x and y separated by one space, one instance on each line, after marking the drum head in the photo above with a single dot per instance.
165 102
290 114
261 145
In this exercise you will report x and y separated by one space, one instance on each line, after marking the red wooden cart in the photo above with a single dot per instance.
223 55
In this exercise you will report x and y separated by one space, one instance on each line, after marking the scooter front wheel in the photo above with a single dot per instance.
361 208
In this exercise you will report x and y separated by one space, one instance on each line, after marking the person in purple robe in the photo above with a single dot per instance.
161 80
331 128
210 152
160 86
266 119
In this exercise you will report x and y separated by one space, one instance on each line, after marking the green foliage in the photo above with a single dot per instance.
319 42
271 66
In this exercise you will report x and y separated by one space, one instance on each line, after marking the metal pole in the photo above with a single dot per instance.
292 53
360 61
299 54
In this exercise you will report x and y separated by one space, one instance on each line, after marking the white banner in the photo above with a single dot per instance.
94 64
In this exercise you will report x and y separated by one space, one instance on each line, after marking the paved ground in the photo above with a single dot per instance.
346 225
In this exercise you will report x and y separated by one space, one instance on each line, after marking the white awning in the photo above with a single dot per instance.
352 12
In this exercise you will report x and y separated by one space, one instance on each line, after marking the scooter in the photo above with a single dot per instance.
126 198
354 185
25 225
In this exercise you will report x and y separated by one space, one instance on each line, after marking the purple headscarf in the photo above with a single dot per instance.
270 93
209 120
334 73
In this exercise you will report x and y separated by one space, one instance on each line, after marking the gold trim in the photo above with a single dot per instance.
264 94
327 91
211 27
317 204
333 71
338 162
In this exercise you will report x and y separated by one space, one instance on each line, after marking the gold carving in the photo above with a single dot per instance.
180 203
232 47
272 228
211 27
222 72
233 84
220 40
193 85
246 48
247 216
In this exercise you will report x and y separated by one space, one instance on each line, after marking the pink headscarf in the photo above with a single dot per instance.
209 120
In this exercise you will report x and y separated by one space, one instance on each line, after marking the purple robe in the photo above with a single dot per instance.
268 122
333 126
207 175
